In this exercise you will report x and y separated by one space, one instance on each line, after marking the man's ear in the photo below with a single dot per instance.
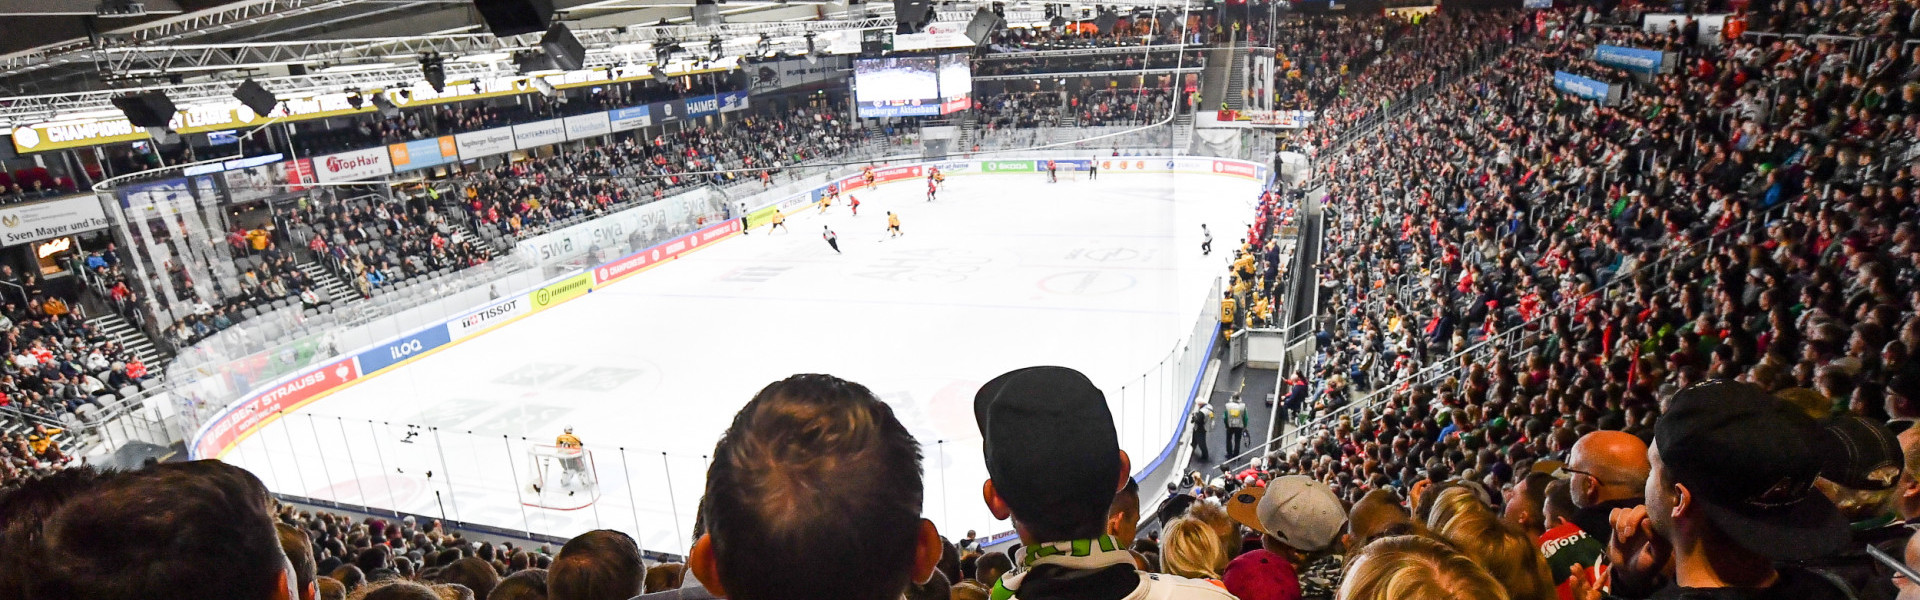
1682 500
1126 471
700 561
927 553
995 504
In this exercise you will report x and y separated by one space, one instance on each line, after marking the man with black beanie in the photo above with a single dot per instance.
1054 465
1729 500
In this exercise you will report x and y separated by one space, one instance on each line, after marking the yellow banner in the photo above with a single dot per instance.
566 289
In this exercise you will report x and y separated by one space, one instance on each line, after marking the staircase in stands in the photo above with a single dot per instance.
1236 83
114 326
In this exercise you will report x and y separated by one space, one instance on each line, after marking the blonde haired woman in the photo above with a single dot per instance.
1411 567
1190 548
1504 552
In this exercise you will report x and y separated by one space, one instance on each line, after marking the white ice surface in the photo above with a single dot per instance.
1003 271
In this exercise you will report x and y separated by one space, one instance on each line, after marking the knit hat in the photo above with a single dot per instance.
1049 445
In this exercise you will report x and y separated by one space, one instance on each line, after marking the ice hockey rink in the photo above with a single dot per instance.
1002 271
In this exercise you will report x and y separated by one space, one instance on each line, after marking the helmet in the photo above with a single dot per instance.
569 429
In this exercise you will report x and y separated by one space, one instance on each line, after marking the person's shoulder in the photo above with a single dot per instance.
1154 586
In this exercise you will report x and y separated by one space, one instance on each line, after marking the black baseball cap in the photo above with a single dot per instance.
1861 453
1049 443
1751 460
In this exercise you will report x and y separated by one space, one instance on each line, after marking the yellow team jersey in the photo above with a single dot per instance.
1226 310
567 440
777 217
893 221
40 443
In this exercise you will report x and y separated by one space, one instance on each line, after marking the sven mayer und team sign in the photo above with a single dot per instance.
24 223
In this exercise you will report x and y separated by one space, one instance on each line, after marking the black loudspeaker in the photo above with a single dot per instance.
912 15
256 97
435 71
563 48
514 17
982 26
1105 22
149 109
528 62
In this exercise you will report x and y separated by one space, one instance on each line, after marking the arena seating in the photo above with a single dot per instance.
57 364
1515 286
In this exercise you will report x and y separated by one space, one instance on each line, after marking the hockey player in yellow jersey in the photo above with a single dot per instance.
573 464
1227 306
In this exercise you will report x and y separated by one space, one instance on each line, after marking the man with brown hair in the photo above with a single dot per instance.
180 531
815 494
299 550
602 564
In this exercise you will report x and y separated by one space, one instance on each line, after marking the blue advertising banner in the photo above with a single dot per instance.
700 106
401 349
629 119
1632 59
732 101
420 154
1584 87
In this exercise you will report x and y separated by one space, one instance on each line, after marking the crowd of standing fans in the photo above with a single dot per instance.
1675 339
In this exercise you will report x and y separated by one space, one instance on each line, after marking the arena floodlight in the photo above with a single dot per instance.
385 106
545 88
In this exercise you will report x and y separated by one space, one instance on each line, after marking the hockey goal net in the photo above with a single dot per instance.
560 478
